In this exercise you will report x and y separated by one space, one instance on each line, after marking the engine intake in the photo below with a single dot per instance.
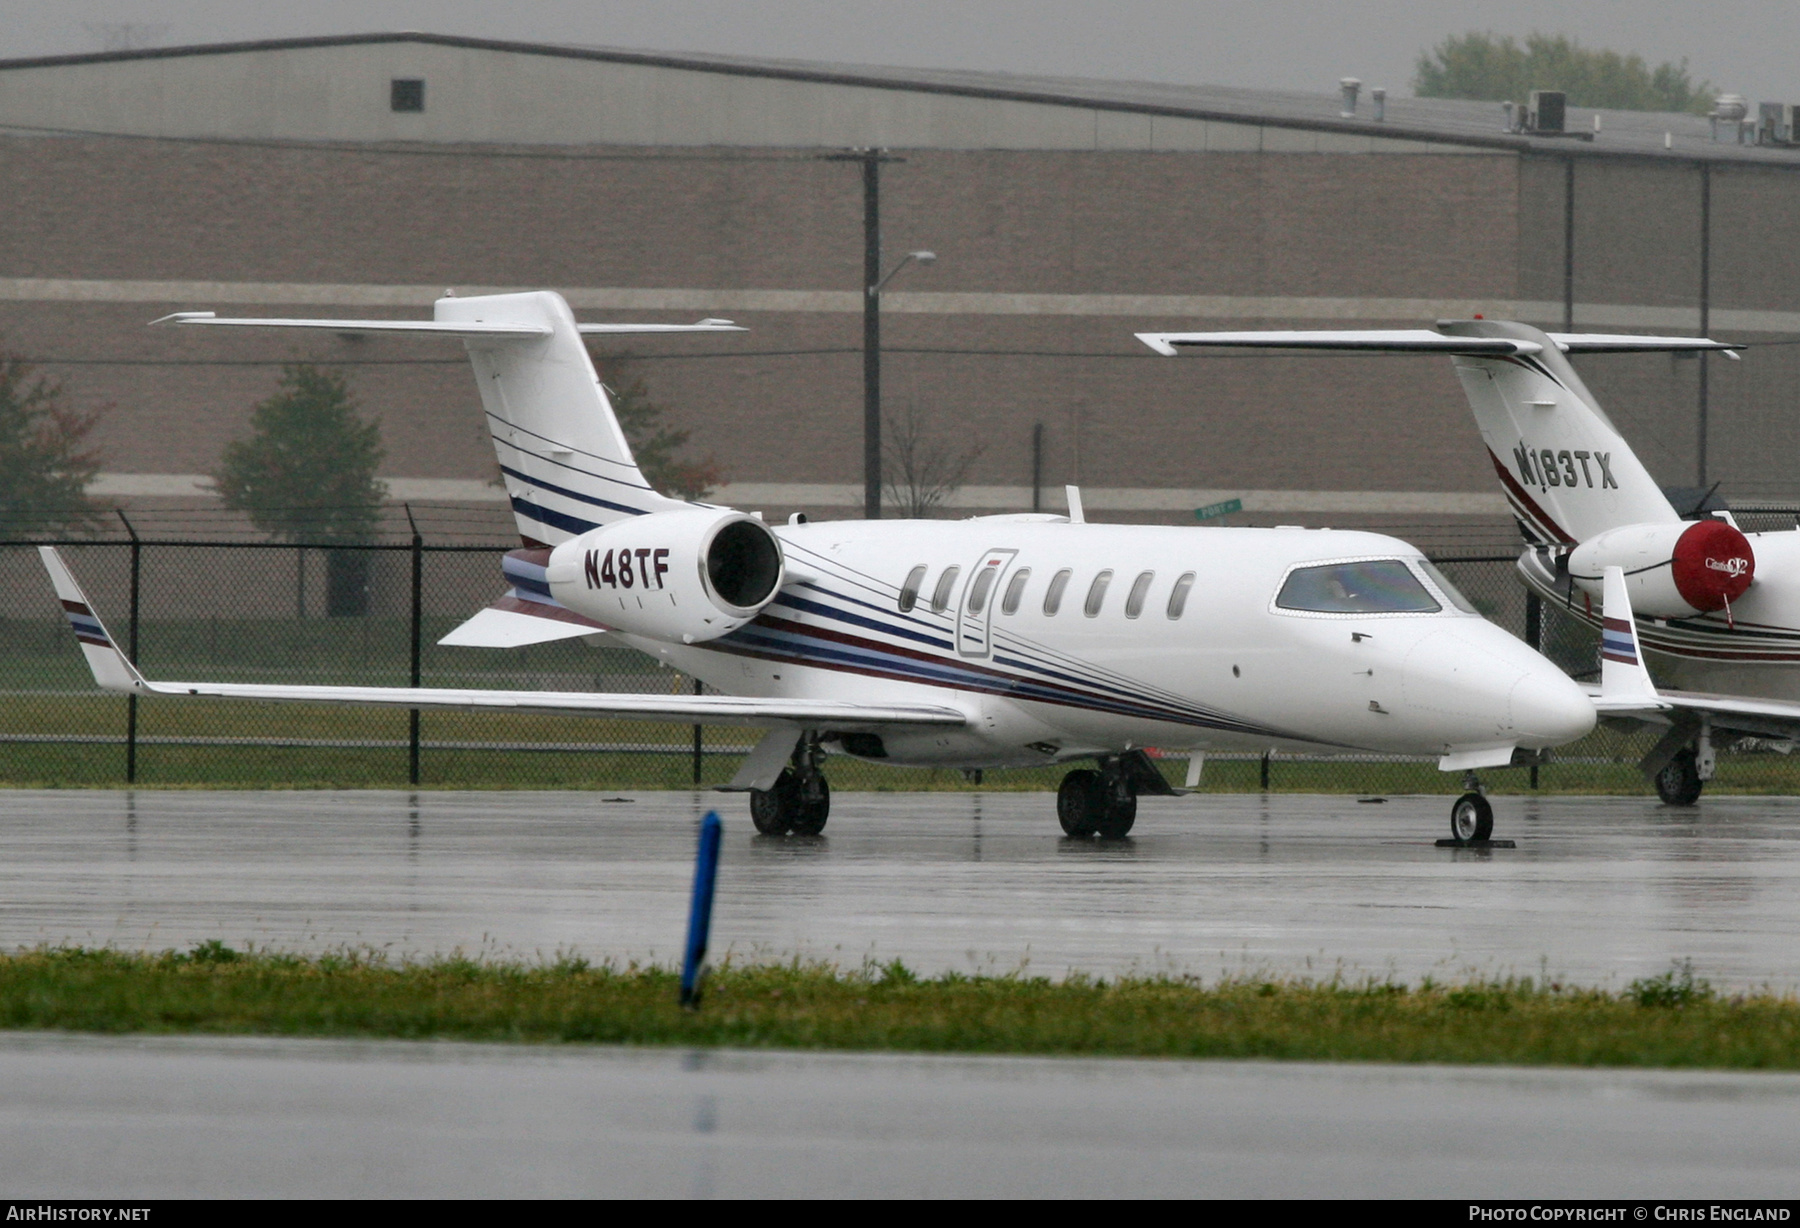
1671 570
684 577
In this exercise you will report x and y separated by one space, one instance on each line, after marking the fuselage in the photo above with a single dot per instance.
899 611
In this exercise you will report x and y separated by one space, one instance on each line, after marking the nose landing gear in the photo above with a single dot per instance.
799 801
1472 820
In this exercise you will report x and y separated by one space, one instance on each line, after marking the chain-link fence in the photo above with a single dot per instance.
260 612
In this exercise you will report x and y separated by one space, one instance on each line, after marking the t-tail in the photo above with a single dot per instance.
1567 472
563 457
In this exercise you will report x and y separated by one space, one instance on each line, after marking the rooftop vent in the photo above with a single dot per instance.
1548 110
1729 112
1378 97
1349 87
1775 124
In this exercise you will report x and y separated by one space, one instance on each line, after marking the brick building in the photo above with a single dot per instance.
363 175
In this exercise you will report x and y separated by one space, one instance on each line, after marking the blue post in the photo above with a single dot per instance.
706 874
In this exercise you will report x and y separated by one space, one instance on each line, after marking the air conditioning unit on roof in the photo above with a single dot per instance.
1548 110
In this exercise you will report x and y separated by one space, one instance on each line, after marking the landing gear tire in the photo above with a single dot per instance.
1121 813
1679 783
774 809
1471 819
1079 803
786 809
1090 803
814 809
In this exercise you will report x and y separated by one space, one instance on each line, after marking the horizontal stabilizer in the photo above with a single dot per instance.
1626 343
1386 340
1425 341
467 330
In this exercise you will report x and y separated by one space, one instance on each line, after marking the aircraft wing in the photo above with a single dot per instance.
113 672
1743 713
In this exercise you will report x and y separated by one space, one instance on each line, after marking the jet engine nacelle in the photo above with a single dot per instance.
1671 570
683 577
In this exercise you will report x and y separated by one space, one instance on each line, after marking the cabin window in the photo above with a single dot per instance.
1140 588
1015 590
1372 586
940 597
1445 587
1178 596
1053 594
978 591
1097 594
909 592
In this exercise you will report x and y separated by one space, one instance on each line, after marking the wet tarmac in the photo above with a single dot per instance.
1599 890
91 1117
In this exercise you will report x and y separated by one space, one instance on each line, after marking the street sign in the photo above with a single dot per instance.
1212 510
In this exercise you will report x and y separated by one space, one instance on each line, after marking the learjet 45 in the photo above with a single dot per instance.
1718 609
995 642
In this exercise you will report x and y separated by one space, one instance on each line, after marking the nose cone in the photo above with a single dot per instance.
1476 682
1548 709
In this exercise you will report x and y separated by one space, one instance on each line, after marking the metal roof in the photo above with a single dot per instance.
1634 134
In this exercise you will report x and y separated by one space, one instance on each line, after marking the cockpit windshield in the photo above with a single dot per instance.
1370 586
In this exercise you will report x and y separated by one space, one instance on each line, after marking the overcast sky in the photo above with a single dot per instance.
1747 48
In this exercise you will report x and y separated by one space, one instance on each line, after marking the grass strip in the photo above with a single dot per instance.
1674 1020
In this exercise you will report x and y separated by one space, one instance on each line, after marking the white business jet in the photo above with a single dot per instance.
1717 609
1000 641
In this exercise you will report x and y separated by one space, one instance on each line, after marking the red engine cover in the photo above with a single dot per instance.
1713 565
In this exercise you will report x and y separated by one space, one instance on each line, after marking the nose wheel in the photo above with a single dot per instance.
799 801
1471 819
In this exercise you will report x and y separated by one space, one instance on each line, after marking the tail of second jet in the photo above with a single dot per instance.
1567 472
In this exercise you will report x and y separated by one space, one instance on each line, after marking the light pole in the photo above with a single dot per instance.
872 355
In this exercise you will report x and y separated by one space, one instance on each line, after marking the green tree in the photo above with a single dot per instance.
1487 67
655 445
44 467
307 474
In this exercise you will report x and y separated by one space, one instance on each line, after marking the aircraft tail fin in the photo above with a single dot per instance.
112 671
563 457
1564 467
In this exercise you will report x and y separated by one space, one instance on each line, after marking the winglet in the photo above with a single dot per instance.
1624 680
111 670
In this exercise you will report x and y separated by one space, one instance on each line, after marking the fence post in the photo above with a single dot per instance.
418 584
137 549
696 740
1265 771
1534 636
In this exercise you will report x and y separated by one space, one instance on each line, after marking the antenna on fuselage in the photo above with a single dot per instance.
1075 516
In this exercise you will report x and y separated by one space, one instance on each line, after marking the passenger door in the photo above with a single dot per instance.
974 621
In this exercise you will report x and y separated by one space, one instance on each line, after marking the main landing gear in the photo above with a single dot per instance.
799 802
1685 772
1104 803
